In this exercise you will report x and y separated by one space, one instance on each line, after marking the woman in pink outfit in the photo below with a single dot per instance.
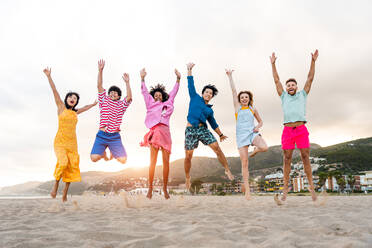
159 107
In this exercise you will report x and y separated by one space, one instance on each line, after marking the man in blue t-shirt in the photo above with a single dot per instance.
196 129
295 131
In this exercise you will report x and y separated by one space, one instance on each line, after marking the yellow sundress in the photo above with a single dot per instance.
65 148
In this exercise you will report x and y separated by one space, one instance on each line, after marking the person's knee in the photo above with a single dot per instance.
287 156
264 148
95 157
305 154
188 155
122 160
304 157
244 162
215 147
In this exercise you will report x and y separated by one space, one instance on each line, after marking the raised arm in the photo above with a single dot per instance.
57 98
86 107
146 95
129 91
278 84
233 89
174 91
190 80
101 65
310 76
259 120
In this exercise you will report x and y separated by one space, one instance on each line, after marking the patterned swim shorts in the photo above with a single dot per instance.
195 134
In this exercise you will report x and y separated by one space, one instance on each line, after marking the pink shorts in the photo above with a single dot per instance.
159 137
295 135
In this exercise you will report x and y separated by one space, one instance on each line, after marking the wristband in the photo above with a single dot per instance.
221 135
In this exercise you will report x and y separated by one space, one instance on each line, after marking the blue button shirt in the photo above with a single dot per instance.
199 112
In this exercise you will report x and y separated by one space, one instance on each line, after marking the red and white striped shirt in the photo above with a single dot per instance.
111 112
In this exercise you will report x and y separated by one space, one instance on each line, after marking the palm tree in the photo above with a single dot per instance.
196 185
339 179
322 178
351 181
213 188
341 182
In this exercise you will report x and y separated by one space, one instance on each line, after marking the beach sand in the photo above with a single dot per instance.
186 221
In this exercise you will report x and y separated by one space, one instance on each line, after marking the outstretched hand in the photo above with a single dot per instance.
229 72
101 64
143 74
95 103
223 137
178 74
273 58
190 66
126 77
314 56
47 71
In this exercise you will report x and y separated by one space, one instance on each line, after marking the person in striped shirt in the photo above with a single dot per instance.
112 110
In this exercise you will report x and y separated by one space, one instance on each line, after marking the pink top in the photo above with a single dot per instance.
111 112
158 112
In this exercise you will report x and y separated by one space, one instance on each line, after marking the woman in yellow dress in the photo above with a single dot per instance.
65 143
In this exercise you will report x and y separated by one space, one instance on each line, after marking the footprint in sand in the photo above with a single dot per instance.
54 208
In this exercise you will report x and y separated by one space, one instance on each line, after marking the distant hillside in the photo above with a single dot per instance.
87 179
355 155
20 189
210 170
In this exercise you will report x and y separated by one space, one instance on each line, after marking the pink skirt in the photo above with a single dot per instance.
159 137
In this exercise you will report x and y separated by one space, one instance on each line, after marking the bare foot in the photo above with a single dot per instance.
53 194
64 198
166 195
284 196
247 195
149 193
229 175
188 183
313 195
255 151
277 201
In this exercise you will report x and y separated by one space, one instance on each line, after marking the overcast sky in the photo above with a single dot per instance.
70 37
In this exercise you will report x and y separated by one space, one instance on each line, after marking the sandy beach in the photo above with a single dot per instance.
186 221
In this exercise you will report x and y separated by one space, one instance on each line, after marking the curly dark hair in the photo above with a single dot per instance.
212 87
159 88
68 95
250 103
115 88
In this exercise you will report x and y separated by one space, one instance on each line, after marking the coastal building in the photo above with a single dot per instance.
274 182
366 181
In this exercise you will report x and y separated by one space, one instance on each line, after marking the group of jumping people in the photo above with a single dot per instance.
160 106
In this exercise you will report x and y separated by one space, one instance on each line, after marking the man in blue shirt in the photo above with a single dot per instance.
295 131
196 130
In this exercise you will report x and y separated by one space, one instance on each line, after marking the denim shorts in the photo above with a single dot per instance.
110 140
